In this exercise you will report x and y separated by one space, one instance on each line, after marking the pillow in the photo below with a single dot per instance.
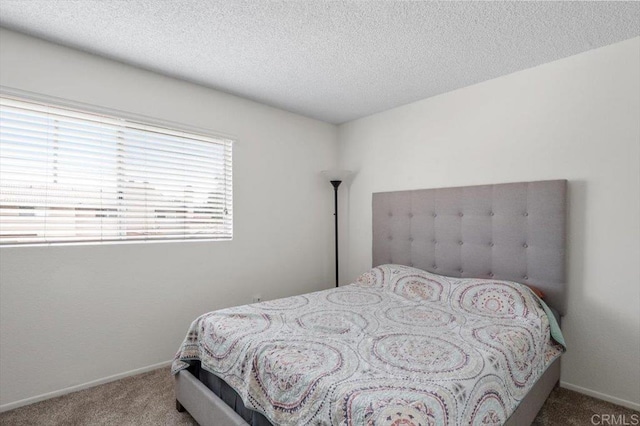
409 282
391 276
387 275
536 291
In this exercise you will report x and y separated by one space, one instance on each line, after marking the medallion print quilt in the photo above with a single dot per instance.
400 346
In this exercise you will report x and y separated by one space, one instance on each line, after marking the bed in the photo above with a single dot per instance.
414 339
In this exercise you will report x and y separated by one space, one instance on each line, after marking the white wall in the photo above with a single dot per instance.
70 315
577 118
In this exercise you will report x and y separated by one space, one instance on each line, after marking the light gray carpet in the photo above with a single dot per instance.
147 399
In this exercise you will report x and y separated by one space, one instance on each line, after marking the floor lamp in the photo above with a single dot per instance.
336 177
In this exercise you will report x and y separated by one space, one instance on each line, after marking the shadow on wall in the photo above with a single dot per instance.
344 243
605 321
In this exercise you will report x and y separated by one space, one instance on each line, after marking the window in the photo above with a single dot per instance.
72 176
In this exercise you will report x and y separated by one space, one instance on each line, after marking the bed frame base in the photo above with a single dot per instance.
203 405
209 410
529 407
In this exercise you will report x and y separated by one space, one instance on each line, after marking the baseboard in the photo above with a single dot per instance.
49 395
602 396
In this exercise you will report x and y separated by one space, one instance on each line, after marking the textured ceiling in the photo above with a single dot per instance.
334 61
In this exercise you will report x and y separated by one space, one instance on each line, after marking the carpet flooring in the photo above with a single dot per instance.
147 399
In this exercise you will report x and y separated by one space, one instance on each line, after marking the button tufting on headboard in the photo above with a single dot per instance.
458 230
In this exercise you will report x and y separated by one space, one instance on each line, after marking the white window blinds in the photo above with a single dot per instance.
71 176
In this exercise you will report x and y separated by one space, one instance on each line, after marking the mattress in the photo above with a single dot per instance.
228 395
399 344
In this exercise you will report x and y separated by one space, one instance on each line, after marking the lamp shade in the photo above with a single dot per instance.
337 174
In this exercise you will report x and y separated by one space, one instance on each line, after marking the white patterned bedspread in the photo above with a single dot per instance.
400 346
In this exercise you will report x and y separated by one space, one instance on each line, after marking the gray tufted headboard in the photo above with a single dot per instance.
512 231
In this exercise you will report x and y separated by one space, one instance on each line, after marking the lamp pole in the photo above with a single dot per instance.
336 184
